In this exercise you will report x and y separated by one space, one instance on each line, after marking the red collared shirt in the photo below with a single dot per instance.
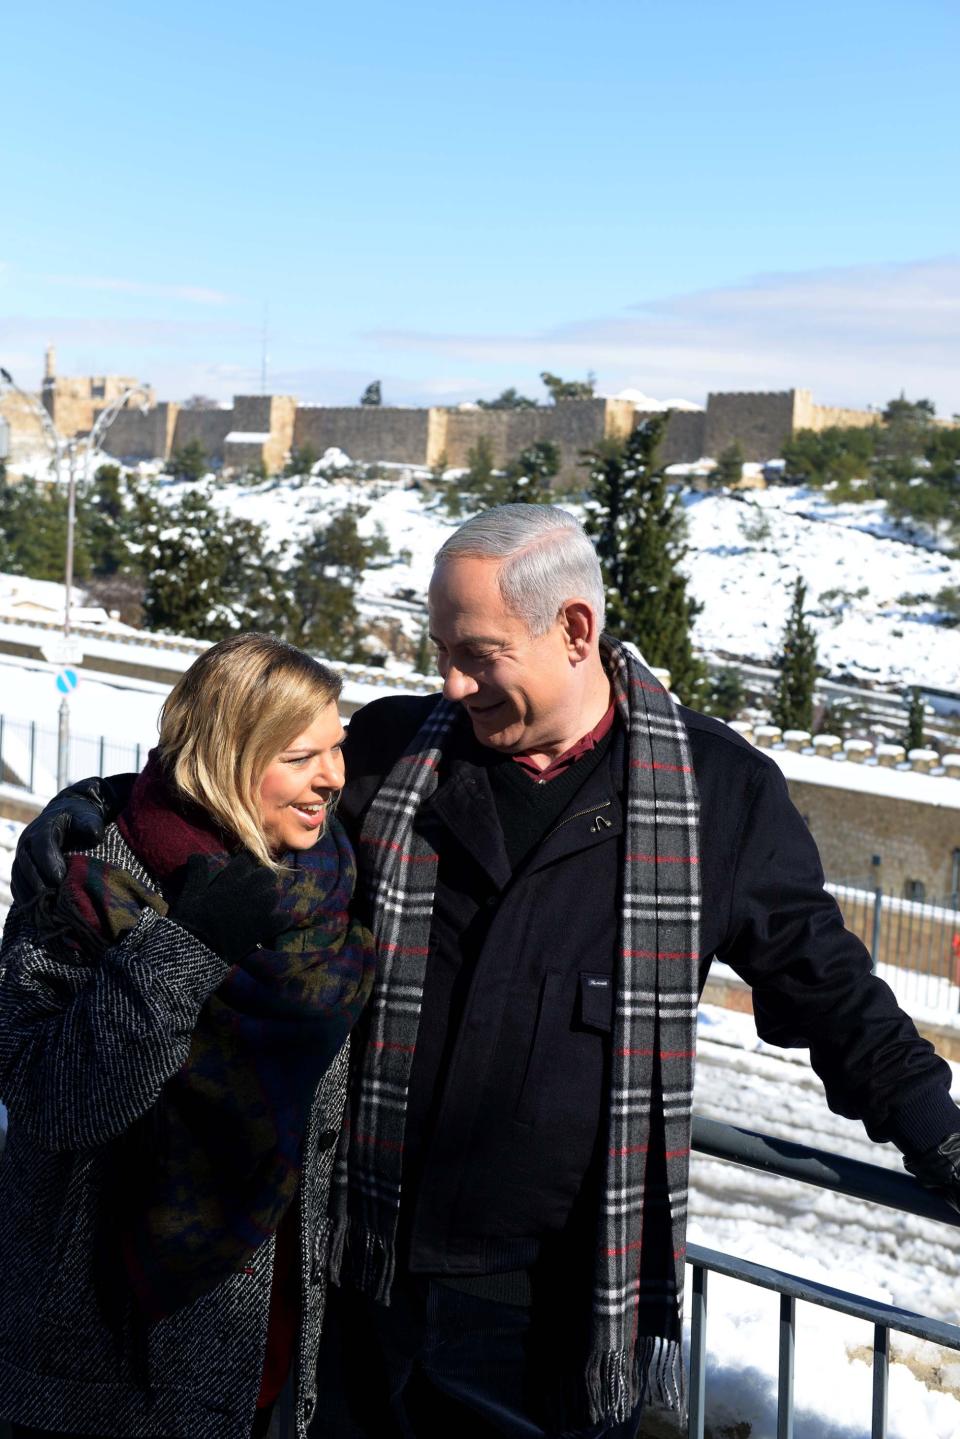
570 756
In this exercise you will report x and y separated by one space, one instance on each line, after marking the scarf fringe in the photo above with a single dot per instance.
617 1380
367 1258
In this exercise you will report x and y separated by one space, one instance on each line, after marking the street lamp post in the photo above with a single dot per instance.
61 448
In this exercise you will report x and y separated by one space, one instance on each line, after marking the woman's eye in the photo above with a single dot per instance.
300 759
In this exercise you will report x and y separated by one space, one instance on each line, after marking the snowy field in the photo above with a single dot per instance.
745 553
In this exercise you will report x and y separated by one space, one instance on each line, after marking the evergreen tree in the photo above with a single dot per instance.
33 532
301 462
914 736
208 575
111 512
638 526
725 694
321 610
423 657
569 389
481 487
797 662
508 400
529 478
729 467
189 462
834 456
373 394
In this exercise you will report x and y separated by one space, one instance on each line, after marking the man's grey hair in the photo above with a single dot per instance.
547 560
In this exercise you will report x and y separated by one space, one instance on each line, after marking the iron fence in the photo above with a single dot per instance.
28 756
914 944
827 1171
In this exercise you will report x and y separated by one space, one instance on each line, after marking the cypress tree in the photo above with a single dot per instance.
913 738
797 662
639 529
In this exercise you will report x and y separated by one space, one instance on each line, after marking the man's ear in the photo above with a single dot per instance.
579 628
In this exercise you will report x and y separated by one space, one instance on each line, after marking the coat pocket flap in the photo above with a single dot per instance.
596 1000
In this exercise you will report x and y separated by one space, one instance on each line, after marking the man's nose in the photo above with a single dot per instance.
457 685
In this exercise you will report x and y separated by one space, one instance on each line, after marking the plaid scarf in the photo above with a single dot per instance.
640 1253
206 1177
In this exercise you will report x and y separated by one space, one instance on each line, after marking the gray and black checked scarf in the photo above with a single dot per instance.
639 1262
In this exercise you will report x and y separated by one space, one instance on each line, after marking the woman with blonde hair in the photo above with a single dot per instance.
173 1031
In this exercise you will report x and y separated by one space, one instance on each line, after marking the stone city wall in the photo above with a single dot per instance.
208 427
808 416
367 433
759 423
684 438
573 425
135 435
271 417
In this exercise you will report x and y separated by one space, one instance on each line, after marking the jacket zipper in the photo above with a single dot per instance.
604 804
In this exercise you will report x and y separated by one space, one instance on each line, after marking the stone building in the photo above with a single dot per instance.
72 402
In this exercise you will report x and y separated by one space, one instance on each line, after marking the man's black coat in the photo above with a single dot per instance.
508 1085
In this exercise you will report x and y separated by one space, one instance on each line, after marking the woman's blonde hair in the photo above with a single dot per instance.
235 709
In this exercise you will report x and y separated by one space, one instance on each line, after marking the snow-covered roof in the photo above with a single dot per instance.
247 437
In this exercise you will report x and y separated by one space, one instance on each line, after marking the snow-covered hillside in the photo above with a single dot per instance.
863 574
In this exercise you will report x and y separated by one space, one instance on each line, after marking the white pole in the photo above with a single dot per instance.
63 745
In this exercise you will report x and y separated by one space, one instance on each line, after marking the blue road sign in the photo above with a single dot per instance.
66 681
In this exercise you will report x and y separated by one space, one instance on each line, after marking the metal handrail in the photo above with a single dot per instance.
819 1167
835 1172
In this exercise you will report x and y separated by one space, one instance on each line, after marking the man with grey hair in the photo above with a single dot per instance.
550 854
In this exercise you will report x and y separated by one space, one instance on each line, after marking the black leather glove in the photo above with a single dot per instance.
75 819
232 909
939 1169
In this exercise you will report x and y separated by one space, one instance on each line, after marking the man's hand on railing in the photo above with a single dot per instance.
939 1169
75 819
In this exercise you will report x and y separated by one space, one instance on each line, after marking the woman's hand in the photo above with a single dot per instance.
74 819
232 909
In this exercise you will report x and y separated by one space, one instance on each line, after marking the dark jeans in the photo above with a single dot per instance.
439 1361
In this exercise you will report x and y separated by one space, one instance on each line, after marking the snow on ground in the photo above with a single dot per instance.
124 711
745 553
892 1257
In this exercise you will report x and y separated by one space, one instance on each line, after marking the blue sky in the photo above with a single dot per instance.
679 196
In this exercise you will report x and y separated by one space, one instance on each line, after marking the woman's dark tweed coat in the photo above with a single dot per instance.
72 1085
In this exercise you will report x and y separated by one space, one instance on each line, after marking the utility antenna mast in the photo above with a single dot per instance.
264 357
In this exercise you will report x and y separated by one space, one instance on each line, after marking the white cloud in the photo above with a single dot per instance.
853 335
195 294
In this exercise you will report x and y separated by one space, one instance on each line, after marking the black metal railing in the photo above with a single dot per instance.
836 1172
28 754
